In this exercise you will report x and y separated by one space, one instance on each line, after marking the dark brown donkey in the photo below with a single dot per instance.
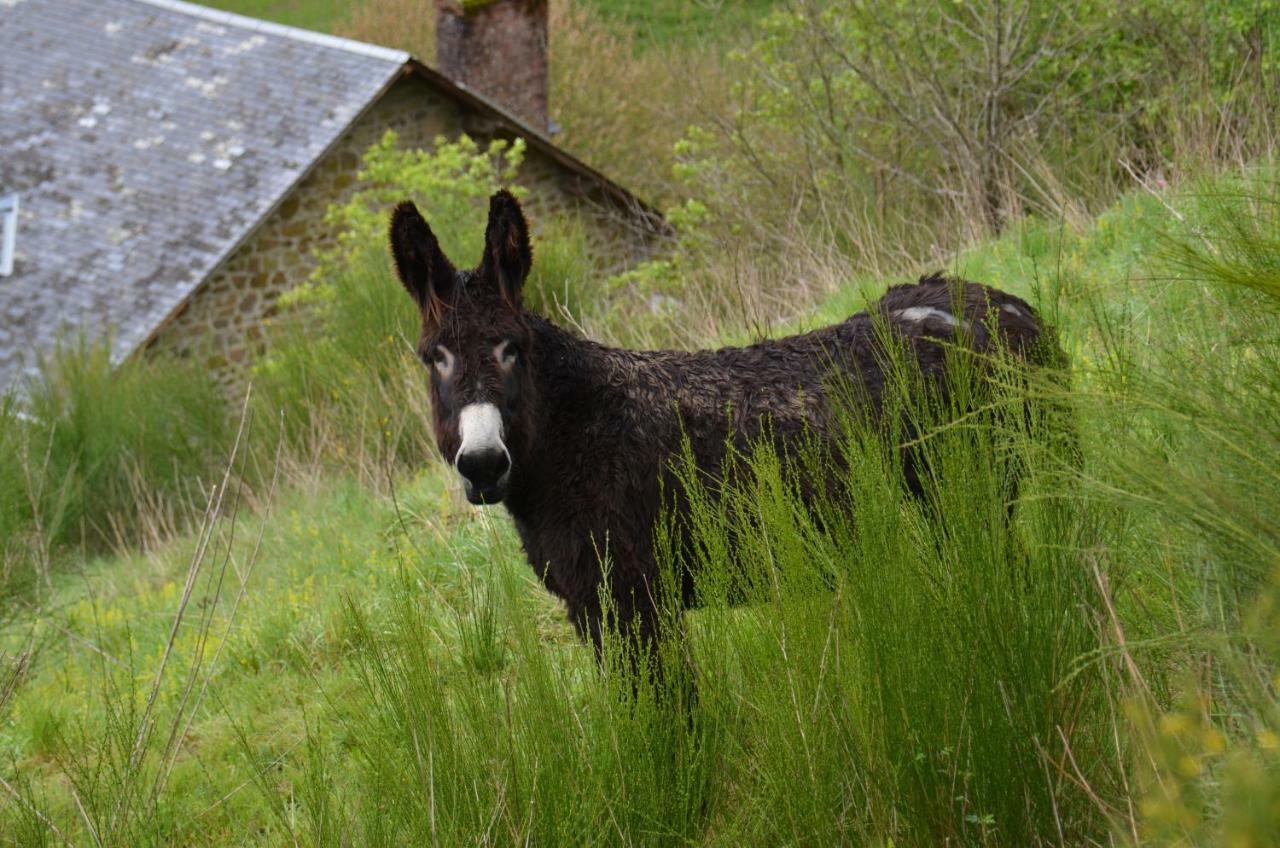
576 438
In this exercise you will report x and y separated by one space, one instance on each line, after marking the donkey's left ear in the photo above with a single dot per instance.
507 254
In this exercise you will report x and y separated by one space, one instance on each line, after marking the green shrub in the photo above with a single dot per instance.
114 452
341 373
886 129
97 457
451 184
1187 385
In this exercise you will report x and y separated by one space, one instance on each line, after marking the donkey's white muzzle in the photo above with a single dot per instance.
482 460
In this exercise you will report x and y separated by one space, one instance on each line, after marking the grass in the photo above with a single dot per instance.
102 459
667 22
657 23
320 15
384 668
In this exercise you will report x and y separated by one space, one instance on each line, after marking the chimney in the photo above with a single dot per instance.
497 48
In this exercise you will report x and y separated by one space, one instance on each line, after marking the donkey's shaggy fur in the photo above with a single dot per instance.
589 431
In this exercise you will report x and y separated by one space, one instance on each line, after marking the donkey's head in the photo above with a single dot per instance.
475 343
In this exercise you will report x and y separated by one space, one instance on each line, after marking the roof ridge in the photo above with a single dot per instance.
271 28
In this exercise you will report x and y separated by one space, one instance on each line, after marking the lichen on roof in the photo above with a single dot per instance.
147 138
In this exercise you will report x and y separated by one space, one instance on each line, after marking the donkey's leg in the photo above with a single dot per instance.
631 627
633 622
588 619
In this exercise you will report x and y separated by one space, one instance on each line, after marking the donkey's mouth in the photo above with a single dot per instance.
485 495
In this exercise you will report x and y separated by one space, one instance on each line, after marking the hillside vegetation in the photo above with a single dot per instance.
281 625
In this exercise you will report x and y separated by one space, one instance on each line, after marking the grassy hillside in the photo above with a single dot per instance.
656 23
282 626
378 661
320 15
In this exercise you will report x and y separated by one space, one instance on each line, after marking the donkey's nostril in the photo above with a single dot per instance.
483 467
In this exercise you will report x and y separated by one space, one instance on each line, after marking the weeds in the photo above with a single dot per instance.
1096 665
102 458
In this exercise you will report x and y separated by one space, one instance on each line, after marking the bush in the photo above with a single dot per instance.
891 128
119 448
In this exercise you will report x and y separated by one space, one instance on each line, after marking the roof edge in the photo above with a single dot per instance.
283 30
651 217
252 230
619 195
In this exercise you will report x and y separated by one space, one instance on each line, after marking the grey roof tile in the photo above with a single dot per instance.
147 138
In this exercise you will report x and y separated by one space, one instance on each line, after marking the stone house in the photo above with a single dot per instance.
174 164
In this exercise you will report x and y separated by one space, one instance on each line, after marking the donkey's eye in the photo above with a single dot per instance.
507 353
441 359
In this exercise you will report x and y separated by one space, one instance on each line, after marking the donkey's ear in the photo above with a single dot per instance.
420 263
507 254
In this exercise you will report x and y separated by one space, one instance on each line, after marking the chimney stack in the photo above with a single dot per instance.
497 48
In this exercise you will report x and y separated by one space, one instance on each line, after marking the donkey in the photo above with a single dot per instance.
577 439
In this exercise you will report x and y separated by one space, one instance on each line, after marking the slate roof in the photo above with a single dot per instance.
147 138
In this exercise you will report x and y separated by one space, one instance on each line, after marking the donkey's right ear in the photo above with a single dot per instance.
422 266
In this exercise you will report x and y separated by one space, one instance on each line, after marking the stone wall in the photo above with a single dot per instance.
223 322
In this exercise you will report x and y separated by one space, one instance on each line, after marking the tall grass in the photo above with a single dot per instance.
104 457
119 441
1196 456
342 377
902 671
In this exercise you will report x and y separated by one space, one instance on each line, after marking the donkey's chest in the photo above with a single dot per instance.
569 531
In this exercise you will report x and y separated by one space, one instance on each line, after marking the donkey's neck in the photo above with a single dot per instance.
583 396
576 377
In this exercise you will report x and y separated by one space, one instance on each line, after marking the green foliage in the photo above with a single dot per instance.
1198 451
111 442
893 126
103 456
1237 242
340 373
451 184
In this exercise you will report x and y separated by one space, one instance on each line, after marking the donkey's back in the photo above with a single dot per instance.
785 385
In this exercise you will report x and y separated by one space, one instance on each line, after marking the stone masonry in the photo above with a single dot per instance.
224 320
